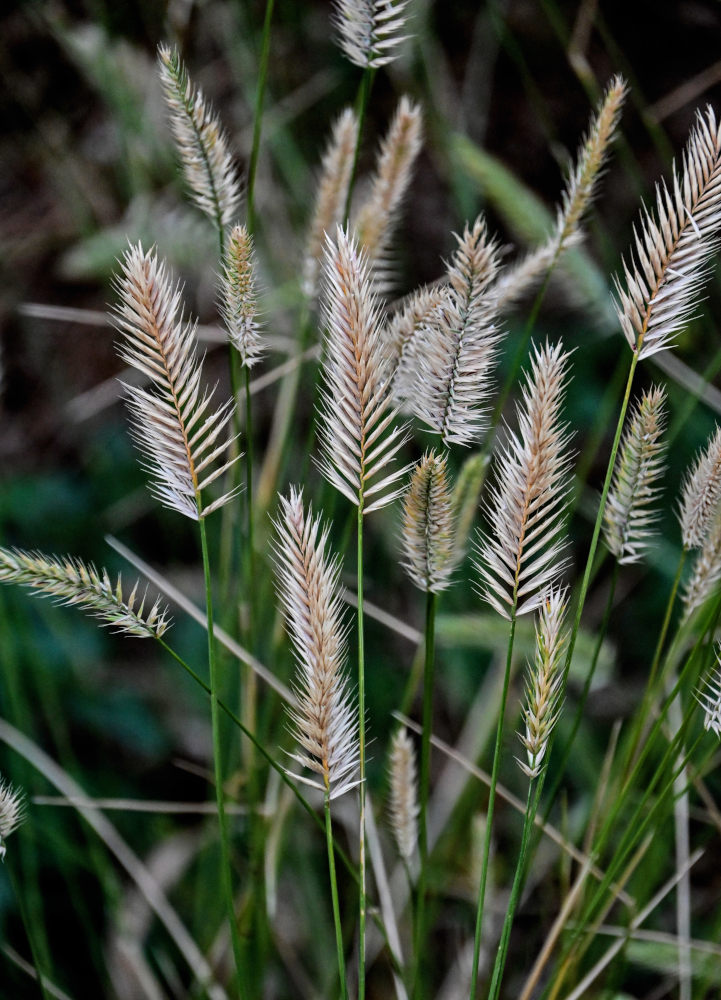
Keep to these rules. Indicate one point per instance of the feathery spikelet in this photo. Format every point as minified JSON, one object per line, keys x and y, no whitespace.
{"x":239,"y":307}
{"x":522,"y":557}
{"x":404,"y":794}
{"x":12,"y":812}
{"x":171,"y":424}
{"x":628,"y":522}
{"x":544,"y":683}
{"x":404,"y":337}
{"x":325,"y":721}
{"x":517,"y":279}
{"x":466,"y":495}
{"x":707,"y":570}
{"x":710,"y":699}
{"x":377,"y":217}
{"x":201,"y":142}
{"x":355,"y":410}
{"x":369,"y":30}
{"x":670,"y":257}
{"x":460,"y":345}
{"x":71,"y":581}
{"x":335,"y":174}
{"x":701,"y":493}
{"x":428,"y":532}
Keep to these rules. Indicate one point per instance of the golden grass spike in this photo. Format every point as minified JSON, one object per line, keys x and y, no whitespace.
{"x":325,"y":720}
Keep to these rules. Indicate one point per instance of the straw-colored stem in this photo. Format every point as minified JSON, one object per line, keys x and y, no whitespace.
{"x":29,"y":931}
{"x":362,"y":786}
{"x":424,"y":788}
{"x":258,"y":117}
{"x":334,"y":897}
{"x":364,"y":93}
{"x":225,"y":873}
{"x":491,"y":805}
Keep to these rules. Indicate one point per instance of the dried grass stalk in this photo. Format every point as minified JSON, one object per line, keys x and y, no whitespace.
{"x":522,"y":555}
{"x":356,"y":437}
{"x":239,"y":306}
{"x":671,"y":253}
{"x":628,"y":521}
{"x":173,"y":425}
{"x":404,"y":794}
{"x":700,"y":495}
{"x":460,"y":344}
{"x":12,"y":812}
{"x":73,"y":582}
{"x":325,"y":720}
{"x":370,"y":30}
{"x":428,"y":533}
{"x":201,"y":142}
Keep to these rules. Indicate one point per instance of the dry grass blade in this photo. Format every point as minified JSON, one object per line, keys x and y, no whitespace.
{"x":628,"y":522}
{"x":239,"y":306}
{"x":428,"y":532}
{"x":671,"y":252}
{"x":370,"y":30}
{"x":72,"y":582}
{"x":172,"y":424}
{"x":324,"y":722}
{"x":403,"y":807}
{"x":201,"y":142}
{"x":701,"y":494}
{"x":460,"y":343}
{"x":356,"y":438}
{"x":522,"y":556}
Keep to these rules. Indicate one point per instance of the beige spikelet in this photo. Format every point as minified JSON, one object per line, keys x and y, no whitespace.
{"x":12,"y":812}
{"x":709,"y":697}
{"x":239,"y":306}
{"x":428,"y":525}
{"x":700,"y":495}
{"x":707,"y":569}
{"x":403,"y":807}
{"x":369,"y":31}
{"x":404,"y":337}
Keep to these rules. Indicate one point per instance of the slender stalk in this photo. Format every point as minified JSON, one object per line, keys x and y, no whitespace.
{"x":362,"y":786}
{"x":364,"y":93}
{"x":334,"y":897}
{"x":29,"y":932}
{"x":518,"y":879}
{"x":491,"y":805}
{"x":424,"y":789}
{"x":258,"y":118}
{"x":249,"y":502}
{"x":218,"y":767}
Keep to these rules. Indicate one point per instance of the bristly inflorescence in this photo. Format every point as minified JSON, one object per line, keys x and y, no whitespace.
{"x":403,"y":337}
{"x":403,"y":794}
{"x":707,"y":569}
{"x":370,"y":30}
{"x":357,"y":438}
{"x":12,"y":812}
{"x":701,"y":494}
{"x":239,"y":306}
{"x":201,"y":142}
{"x":459,"y":344}
{"x":335,"y":174}
{"x":377,"y":217}
{"x":710,"y":699}
{"x":521,"y":556}
{"x":671,"y":252}
{"x":173,"y":424}
{"x":325,"y":721}
{"x":428,"y":525}
{"x":544,"y":684}
{"x":72,"y":582}
{"x":628,"y":520}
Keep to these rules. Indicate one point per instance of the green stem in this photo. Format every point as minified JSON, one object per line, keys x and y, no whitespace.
{"x":29,"y":933}
{"x":258,"y":117}
{"x":491,"y":805}
{"x":364,"y":93}
{"x":362,"y":745}
{"x":431,"y":600}
{"x":249,"y":498}
{"x":518,"y":879}
{"x":334,"y":897}
{"x":217,"y":765}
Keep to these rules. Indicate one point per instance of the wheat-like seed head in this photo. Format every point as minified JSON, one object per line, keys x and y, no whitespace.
{"x":520,"y":558}
{"x":700,"y":494}
{"x":707,"y":569}
{"x":172,"y":423}
{"x":628,"y":521}
{"x":544,"y":684}
{"x":377,"y":217}
{"x":370,"y":30}
{"x":709,"y":698}
{"x":404,"y":794}
{"x":239,"y":306}
{"x":404,"y":338}
{"x":325,"y":720}
{"x":73,"y":582}
{"x":460,"y":344}
{"x":335,"y":174}
{"x":201,"y":142}
{"x":671,"y":252}
{"x":428,"y":532}
{"x":12,"y":812}
{"x":356,"y":438}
